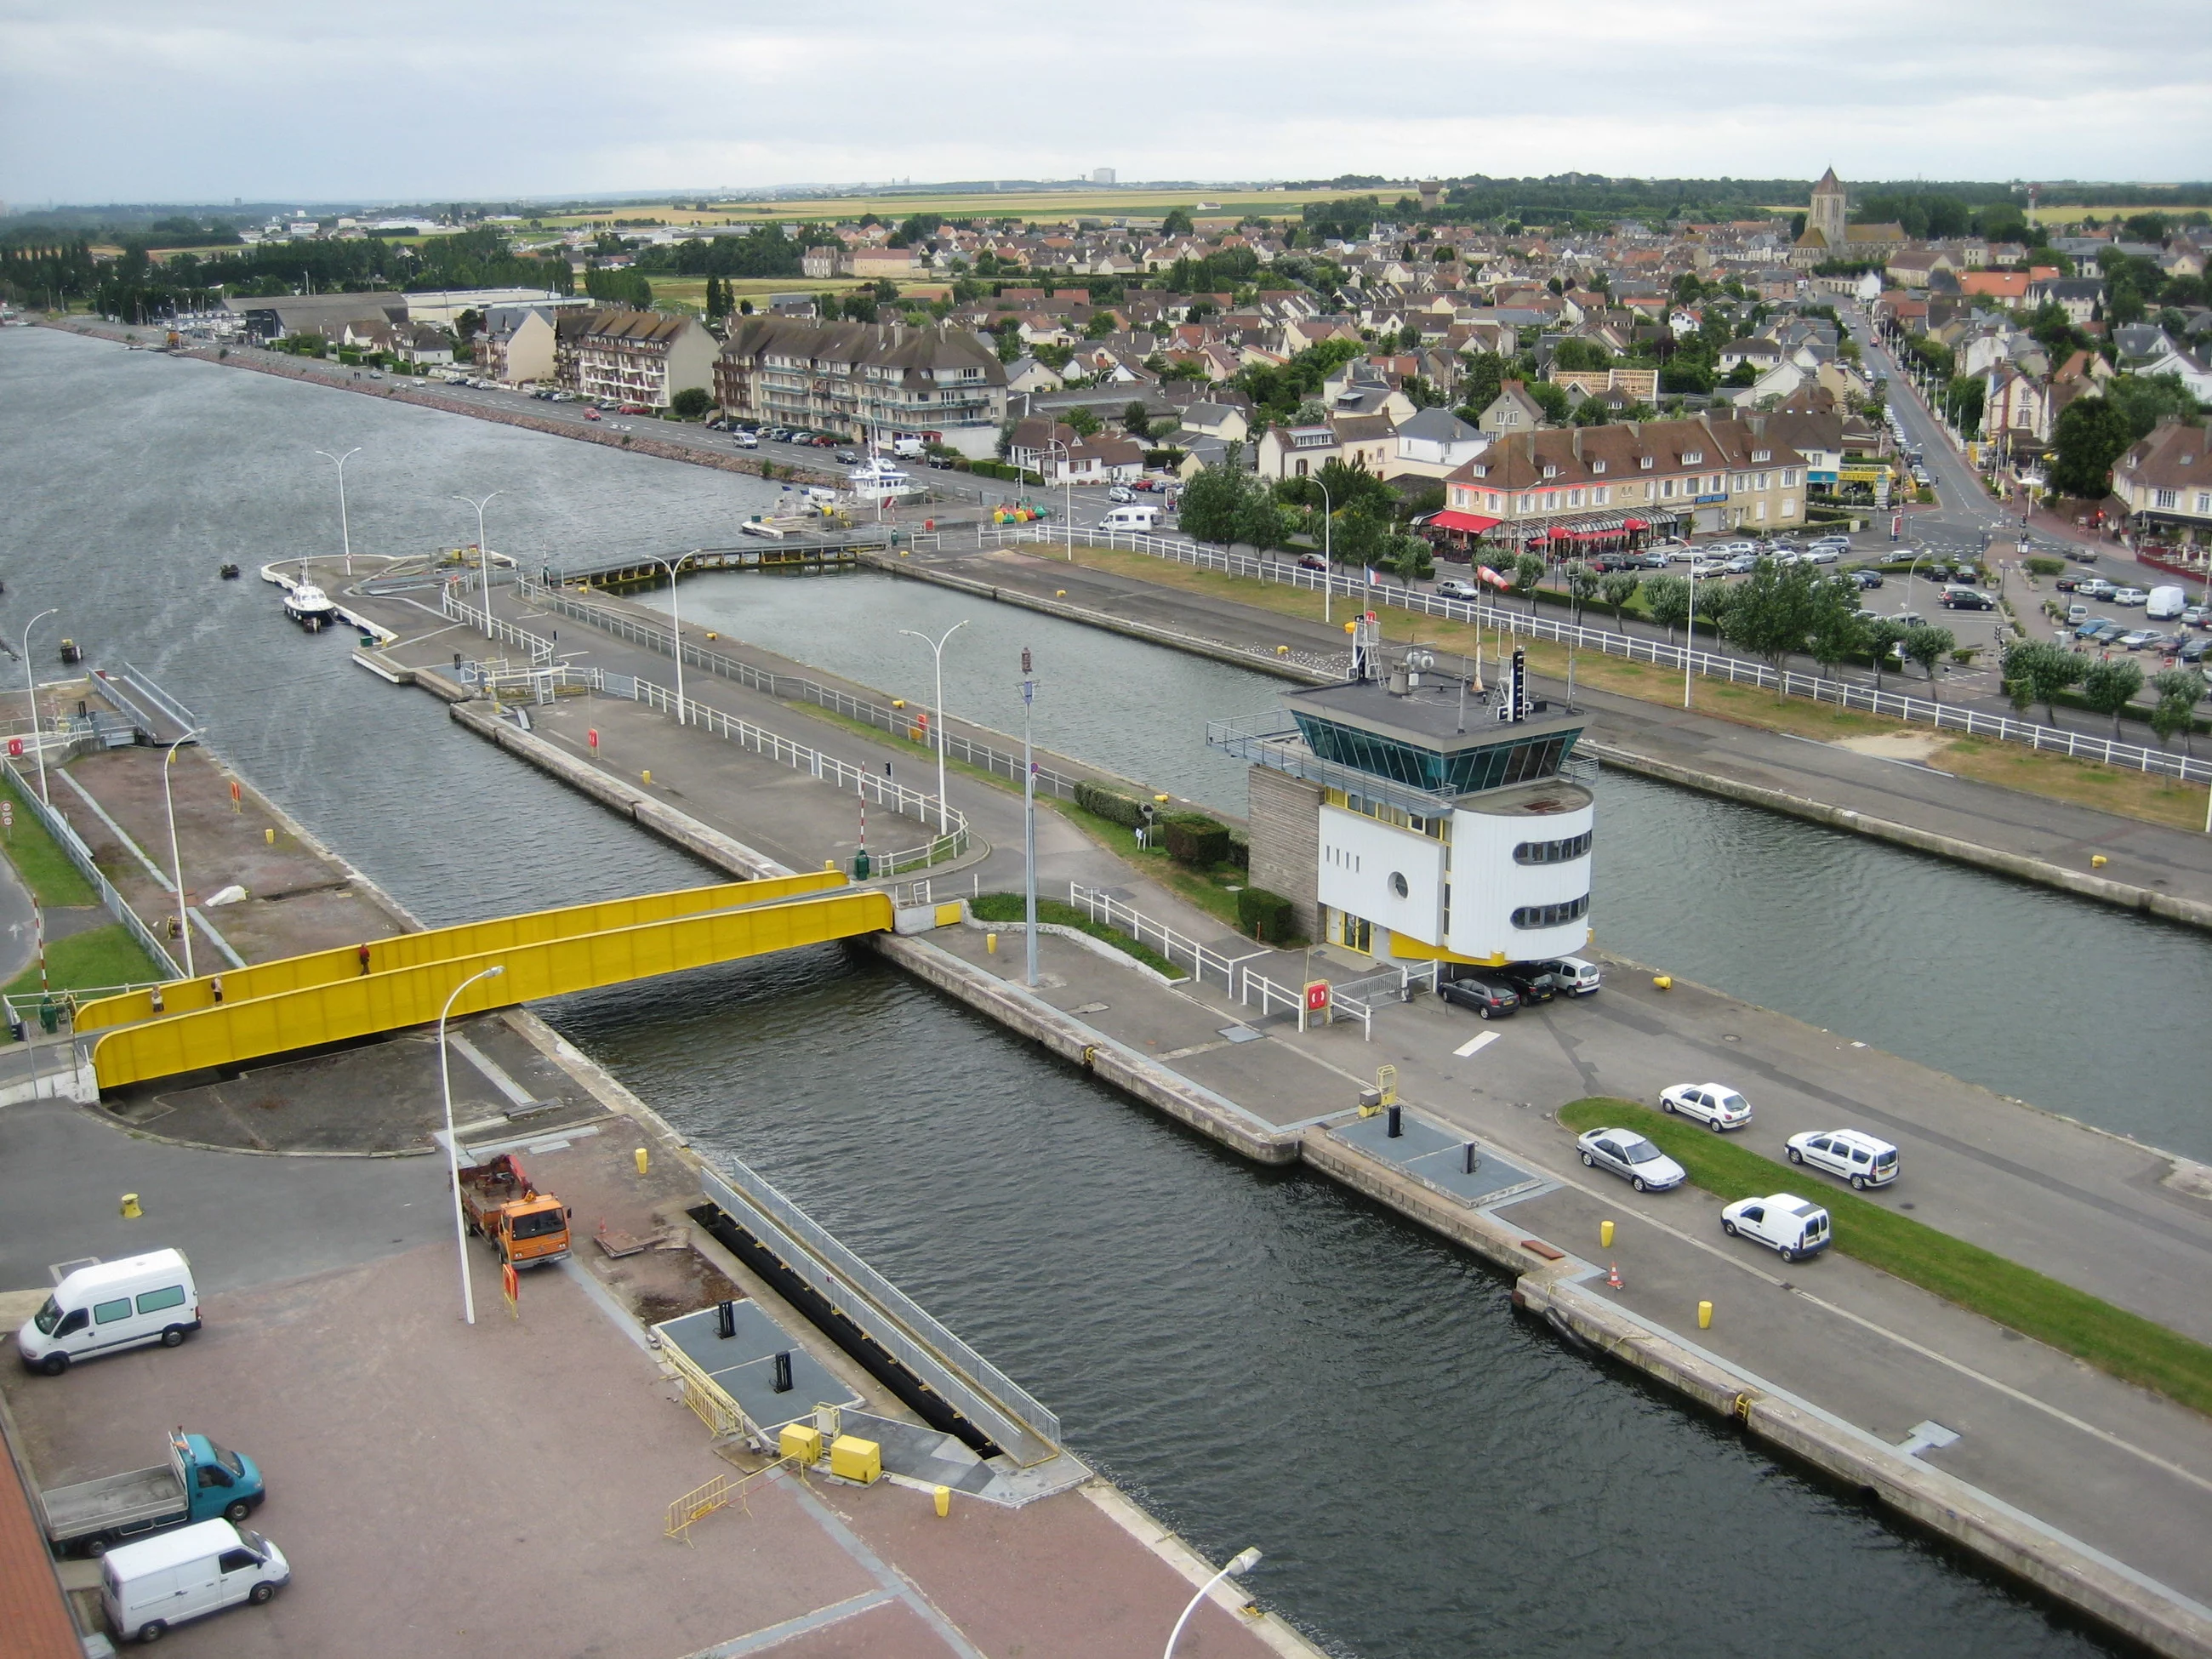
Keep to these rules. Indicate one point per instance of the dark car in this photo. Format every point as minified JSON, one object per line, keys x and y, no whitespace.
{"x":1312,"y":562}
{"x":1867,"y":579}
{"x":1491,"y":998}
{"x":1967,"y":598}
{"x":1531,"y":982}
{"x":2067,"y":583}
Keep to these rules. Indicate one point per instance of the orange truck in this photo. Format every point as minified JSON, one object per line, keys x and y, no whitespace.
{"x":524,"y":1226}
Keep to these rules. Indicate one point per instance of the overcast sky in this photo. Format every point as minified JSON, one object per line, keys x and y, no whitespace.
{"x":406,"y":100}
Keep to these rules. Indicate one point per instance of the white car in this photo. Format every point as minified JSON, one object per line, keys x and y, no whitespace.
{"x":1858,"y":1159}
{"x":1823,"y":556}
{"x":1122,"y":493}
{"x":1713,"y":1104}
{"x":1790,"y":1226}
{"x":1631,"y":1156}
{"x":1451,"y":588}
{"x":2130,"y":596}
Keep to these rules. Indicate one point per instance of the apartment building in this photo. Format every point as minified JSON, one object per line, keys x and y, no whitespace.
{"x":1602,"y":483}
{"x":881,"y":379}
{"x":2166,"y":480}
{"x":642,"y":357}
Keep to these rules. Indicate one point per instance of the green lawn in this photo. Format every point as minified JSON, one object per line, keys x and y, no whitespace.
{"x":96,"y":959}
{"x":51,"y":876}
{"x":2111,"y":1338}
{"x":1012,"y":906}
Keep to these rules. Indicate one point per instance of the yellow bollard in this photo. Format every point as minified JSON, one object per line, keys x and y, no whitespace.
{"x":1282,"y":650}
{"x":2098,"y":860}
{"x":1060,"y":592}
{"x":269,"y":835}
{"x":944,"y":1500}
{"x":644,"y":1159}
{"x":713,"y":635}
{"x":1664,"y":981}
{"x":828,"y":864}
{"x":130,"y":1210}
{"x":991,"y":943}
{"x":1604,"y":1235}
{"x":649,"y":777}
{"x":1704,"y":1316}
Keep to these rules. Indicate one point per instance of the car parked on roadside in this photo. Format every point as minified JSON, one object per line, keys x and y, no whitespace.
{"x":1122,"y":493}
{"x":2095,"y":587}
{"x":1790,"y":1226}
{"x":1713,"y":1104}
{"x":1858,"y":1159}
{"x":1823,"y":555}
{"x":1867,"y":579}
{"x":1967,"y":598}
{"x":1491,"y":999}
{"x":2130,"y":596}
{"x":2138,"y":639}
{"x":1574,"y":975}
{"x":1630,"y":1156}
{"x":2194,"y":650}
{"x":1531,"y":982}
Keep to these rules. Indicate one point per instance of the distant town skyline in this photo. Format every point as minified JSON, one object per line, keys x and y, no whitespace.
{"x":263,"y":101}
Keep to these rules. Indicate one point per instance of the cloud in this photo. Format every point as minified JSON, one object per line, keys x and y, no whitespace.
{"x":272,"y":99}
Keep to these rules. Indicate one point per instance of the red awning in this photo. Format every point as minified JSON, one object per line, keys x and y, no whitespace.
{"x":1472,"y":524}
{"x":1634,"y":524}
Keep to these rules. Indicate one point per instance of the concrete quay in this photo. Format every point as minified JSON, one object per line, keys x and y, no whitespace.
{"x":538,"y":1451}
{"x":2087,"y":1487}
{"x":2158,"y":871}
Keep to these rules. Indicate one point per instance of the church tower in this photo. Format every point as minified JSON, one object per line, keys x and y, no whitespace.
{"x":1827,"y":211}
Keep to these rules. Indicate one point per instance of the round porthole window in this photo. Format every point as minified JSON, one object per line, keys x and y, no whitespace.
{"x":1398,"y":885}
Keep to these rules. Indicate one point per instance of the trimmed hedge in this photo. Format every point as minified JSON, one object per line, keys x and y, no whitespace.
{"x":1109,"y":804}
{"x":1197,"y":841}
{"x":1266,"y":917}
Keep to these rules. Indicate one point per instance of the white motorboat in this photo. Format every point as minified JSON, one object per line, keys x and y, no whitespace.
{"x":309,"y":606}
{"x":877,"y":480}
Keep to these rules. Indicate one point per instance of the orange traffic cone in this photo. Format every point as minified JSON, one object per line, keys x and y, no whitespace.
{"x":1613,"y":1276}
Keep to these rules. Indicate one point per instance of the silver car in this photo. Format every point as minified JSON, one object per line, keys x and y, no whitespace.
{"x":1631,"y":1156}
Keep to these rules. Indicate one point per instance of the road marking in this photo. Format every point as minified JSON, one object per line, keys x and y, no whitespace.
{"x":1475,"y":1045}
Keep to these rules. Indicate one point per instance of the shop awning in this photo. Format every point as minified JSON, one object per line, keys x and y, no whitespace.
{"x":1471,"y":524}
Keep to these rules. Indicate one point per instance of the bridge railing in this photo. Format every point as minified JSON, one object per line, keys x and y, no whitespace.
{"x":867,"y":784}
{"x":1712,"y":664}
{"x":788,"y":687}
{"x":451,"y":603}
{"x":1174,"y":946}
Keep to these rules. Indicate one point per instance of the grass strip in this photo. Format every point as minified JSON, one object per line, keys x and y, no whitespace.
{"x":99,"y":956}
{"x":1010,"y":907}
{"x":38,"y":859}
{"x":2126,"y":1345}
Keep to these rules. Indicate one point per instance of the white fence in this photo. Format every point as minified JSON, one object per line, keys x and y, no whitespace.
{"x":74,"y":850}
{"x":1711,"y":664}
{"x":1174,"y":946}
{"x":998,"y":762}
{"x":452,"y":604}
{"x":864,"y":784}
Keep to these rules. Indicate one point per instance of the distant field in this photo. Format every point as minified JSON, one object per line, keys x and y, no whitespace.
{"x":1045,"y":206}
{"x":2058,"y":215}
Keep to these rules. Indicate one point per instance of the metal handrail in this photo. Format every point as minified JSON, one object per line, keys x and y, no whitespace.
{"x":74,"y":850}
{"x":1104,"y":907}
{"x":1711,"y":664}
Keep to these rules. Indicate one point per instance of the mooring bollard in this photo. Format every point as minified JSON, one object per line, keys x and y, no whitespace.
{"x":1664,"y":981}
{"x":1704,"y":1316}
{"x":644,"y":1159}
{"x":130,"y":1210}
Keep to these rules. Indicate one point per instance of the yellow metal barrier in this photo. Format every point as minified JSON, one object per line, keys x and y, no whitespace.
{"x":368,"y":1004}
{"x":187,"y":996}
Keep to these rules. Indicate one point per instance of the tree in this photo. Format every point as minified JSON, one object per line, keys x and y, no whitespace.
{"x":1549,"y":398}
{"x":1928,"y":645}
{"x":1617,"y":588}
{"x":1081,"y":422}
{"x":2036,"y":671}
{"x":1137,"y":421}
{"x":1667,"y":600}
{"x":2179,"y":690}
{"x":1772,"y":614}
{"x":1177,"y":222}
{"x":1528,"y":571}
{"x":1362,"y":534}
{"x":1263,"y":522}
{"x":2109,"y":687}
{"x":1485,"y":373}
{"x":2091,"y":435}
{"x":691,"y":403}
{"x":1213,"y":501}
{"x":2147,"y":399}
{"x":1881,"y":634}
{"x":1837,"y":635}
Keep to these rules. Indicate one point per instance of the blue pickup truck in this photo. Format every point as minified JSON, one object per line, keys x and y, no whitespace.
{"x":200,"y":1481}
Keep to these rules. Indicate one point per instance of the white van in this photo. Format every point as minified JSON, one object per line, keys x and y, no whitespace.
{"x":2165,"y":604}
{"x":147,"y":1588}
{"x":110,"y":1306}
{"x":909,"y":449}
{"x":1131,"y":518}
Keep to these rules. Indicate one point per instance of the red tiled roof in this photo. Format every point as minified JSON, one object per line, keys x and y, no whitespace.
{"x":31,"y":1611}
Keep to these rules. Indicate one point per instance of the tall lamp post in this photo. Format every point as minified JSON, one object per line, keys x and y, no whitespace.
{"x":1689,"y":633}
{"x":176,"y":857}
{"x":30,"y":686}
{"x":483,"y":563}
{"x":1240,"y":1563}
{"x":345,"y":529}
{"x":675,"y":627}
{"x":1029,"y":822}
{"x":1067,"y":480}
{"x":1328,"y":550}
{"x":937,"y":650}
{"x":453,"y":1141}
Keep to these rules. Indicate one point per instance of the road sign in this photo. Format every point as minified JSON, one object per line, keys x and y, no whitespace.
{"x":7,"y":815}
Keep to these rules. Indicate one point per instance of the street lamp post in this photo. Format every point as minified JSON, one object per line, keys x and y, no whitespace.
{"x":31,"y":687}
{"x":1328,"y":550}
{"x":453,"y":1141}
{"x":176,"y":857}
{"x":1239,"y":1565}
{"x":484,"y":558}
{"x":345,"y":529}
{"x":1029,"y":822}
{"x":937,"y":650}
{"x":1067,"y":481}
{"x":675,"y":628}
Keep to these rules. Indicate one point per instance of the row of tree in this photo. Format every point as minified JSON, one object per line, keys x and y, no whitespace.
{"x":2040,"y":672}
